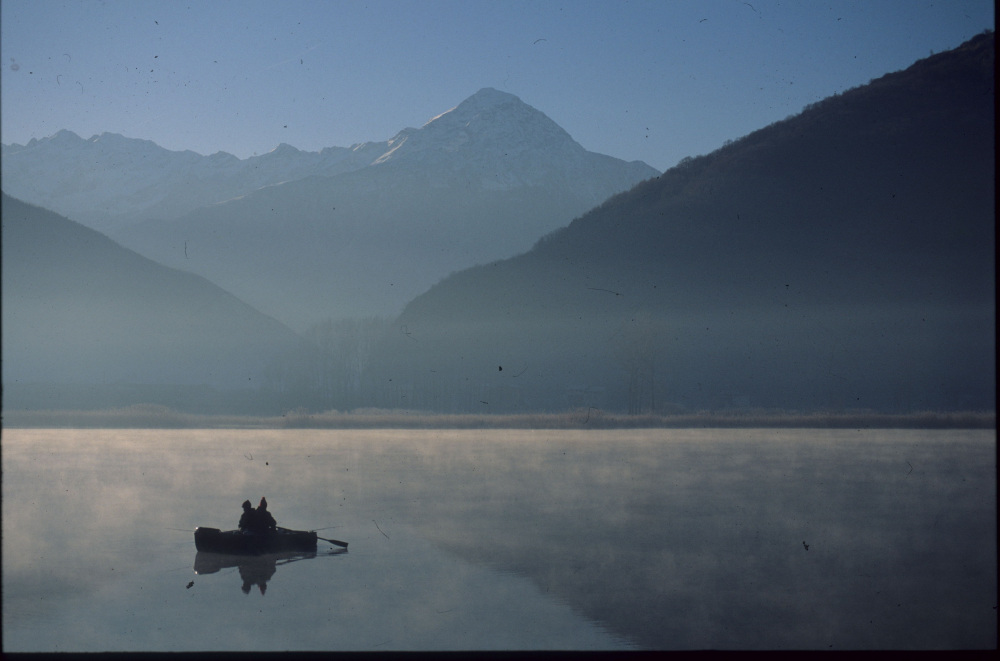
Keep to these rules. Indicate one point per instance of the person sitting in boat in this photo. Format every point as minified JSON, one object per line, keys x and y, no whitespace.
{"x":265,"y":521}
{"x":248,"y":522}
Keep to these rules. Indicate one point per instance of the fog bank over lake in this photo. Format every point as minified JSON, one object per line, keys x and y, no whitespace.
{"x":504,"y":539}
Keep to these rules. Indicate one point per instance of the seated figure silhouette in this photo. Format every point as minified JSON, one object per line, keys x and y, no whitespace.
{"x":264,"y":520}
{"x":248,"y":520}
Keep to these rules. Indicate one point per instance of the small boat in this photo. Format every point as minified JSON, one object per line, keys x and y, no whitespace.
{"x":238,"y":542}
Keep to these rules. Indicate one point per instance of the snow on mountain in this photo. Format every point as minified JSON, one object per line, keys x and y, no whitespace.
{"x":492,"y":127}
{"x":495,"y":141}
{"x":491,"y":141}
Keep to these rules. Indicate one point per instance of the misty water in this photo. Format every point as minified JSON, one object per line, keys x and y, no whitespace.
{"x":498,"y":539}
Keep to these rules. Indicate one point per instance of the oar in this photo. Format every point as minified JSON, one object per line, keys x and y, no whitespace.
{"x":332,"y":541}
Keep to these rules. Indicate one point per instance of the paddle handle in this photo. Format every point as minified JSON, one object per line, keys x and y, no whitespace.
{"x":332,"y":541}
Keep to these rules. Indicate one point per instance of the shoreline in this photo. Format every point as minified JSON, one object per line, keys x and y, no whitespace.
{"x":160,"y":417}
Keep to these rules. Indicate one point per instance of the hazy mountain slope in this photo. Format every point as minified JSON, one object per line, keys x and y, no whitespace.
{"x":80,"y":309}
{"x":480,"y":182}
{"x":843,"y":257}
{"x":109,"y":180}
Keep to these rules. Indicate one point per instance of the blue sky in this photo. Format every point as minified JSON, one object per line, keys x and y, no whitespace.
{"x":650,"y":80}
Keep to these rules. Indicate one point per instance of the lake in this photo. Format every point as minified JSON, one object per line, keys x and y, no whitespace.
{"x":503,"y":540}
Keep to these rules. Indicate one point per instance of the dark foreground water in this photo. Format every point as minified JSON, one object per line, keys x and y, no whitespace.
{"x":498,"y":539}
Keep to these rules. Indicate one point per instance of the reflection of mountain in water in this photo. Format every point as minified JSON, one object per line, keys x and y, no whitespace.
{"x":254,"y":570}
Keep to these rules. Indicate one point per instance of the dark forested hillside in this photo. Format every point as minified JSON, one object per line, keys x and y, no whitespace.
{"x":843,"y":257}
{"x":82,"y":316}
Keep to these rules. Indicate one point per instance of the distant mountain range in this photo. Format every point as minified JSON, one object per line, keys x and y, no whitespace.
{"x":109,"y":181}
{"x":345,"y":232}
{"x":842,"y":258}
{"x":491,"y":141}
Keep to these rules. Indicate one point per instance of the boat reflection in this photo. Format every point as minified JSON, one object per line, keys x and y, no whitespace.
{"x":255,"y":570}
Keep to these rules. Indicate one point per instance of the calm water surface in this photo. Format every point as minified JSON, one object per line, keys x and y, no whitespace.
{"x":498,"y":539}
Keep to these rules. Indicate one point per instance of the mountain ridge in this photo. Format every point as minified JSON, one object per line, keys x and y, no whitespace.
{"x":109,"y":181}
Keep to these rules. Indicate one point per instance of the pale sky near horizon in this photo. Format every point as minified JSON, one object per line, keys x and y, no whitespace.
{"x":639,"y":80}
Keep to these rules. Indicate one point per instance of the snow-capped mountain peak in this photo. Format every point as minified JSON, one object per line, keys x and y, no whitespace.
{"x":484,"y":98}
{"x":502,"y":118}
{"x":492,"y":140}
